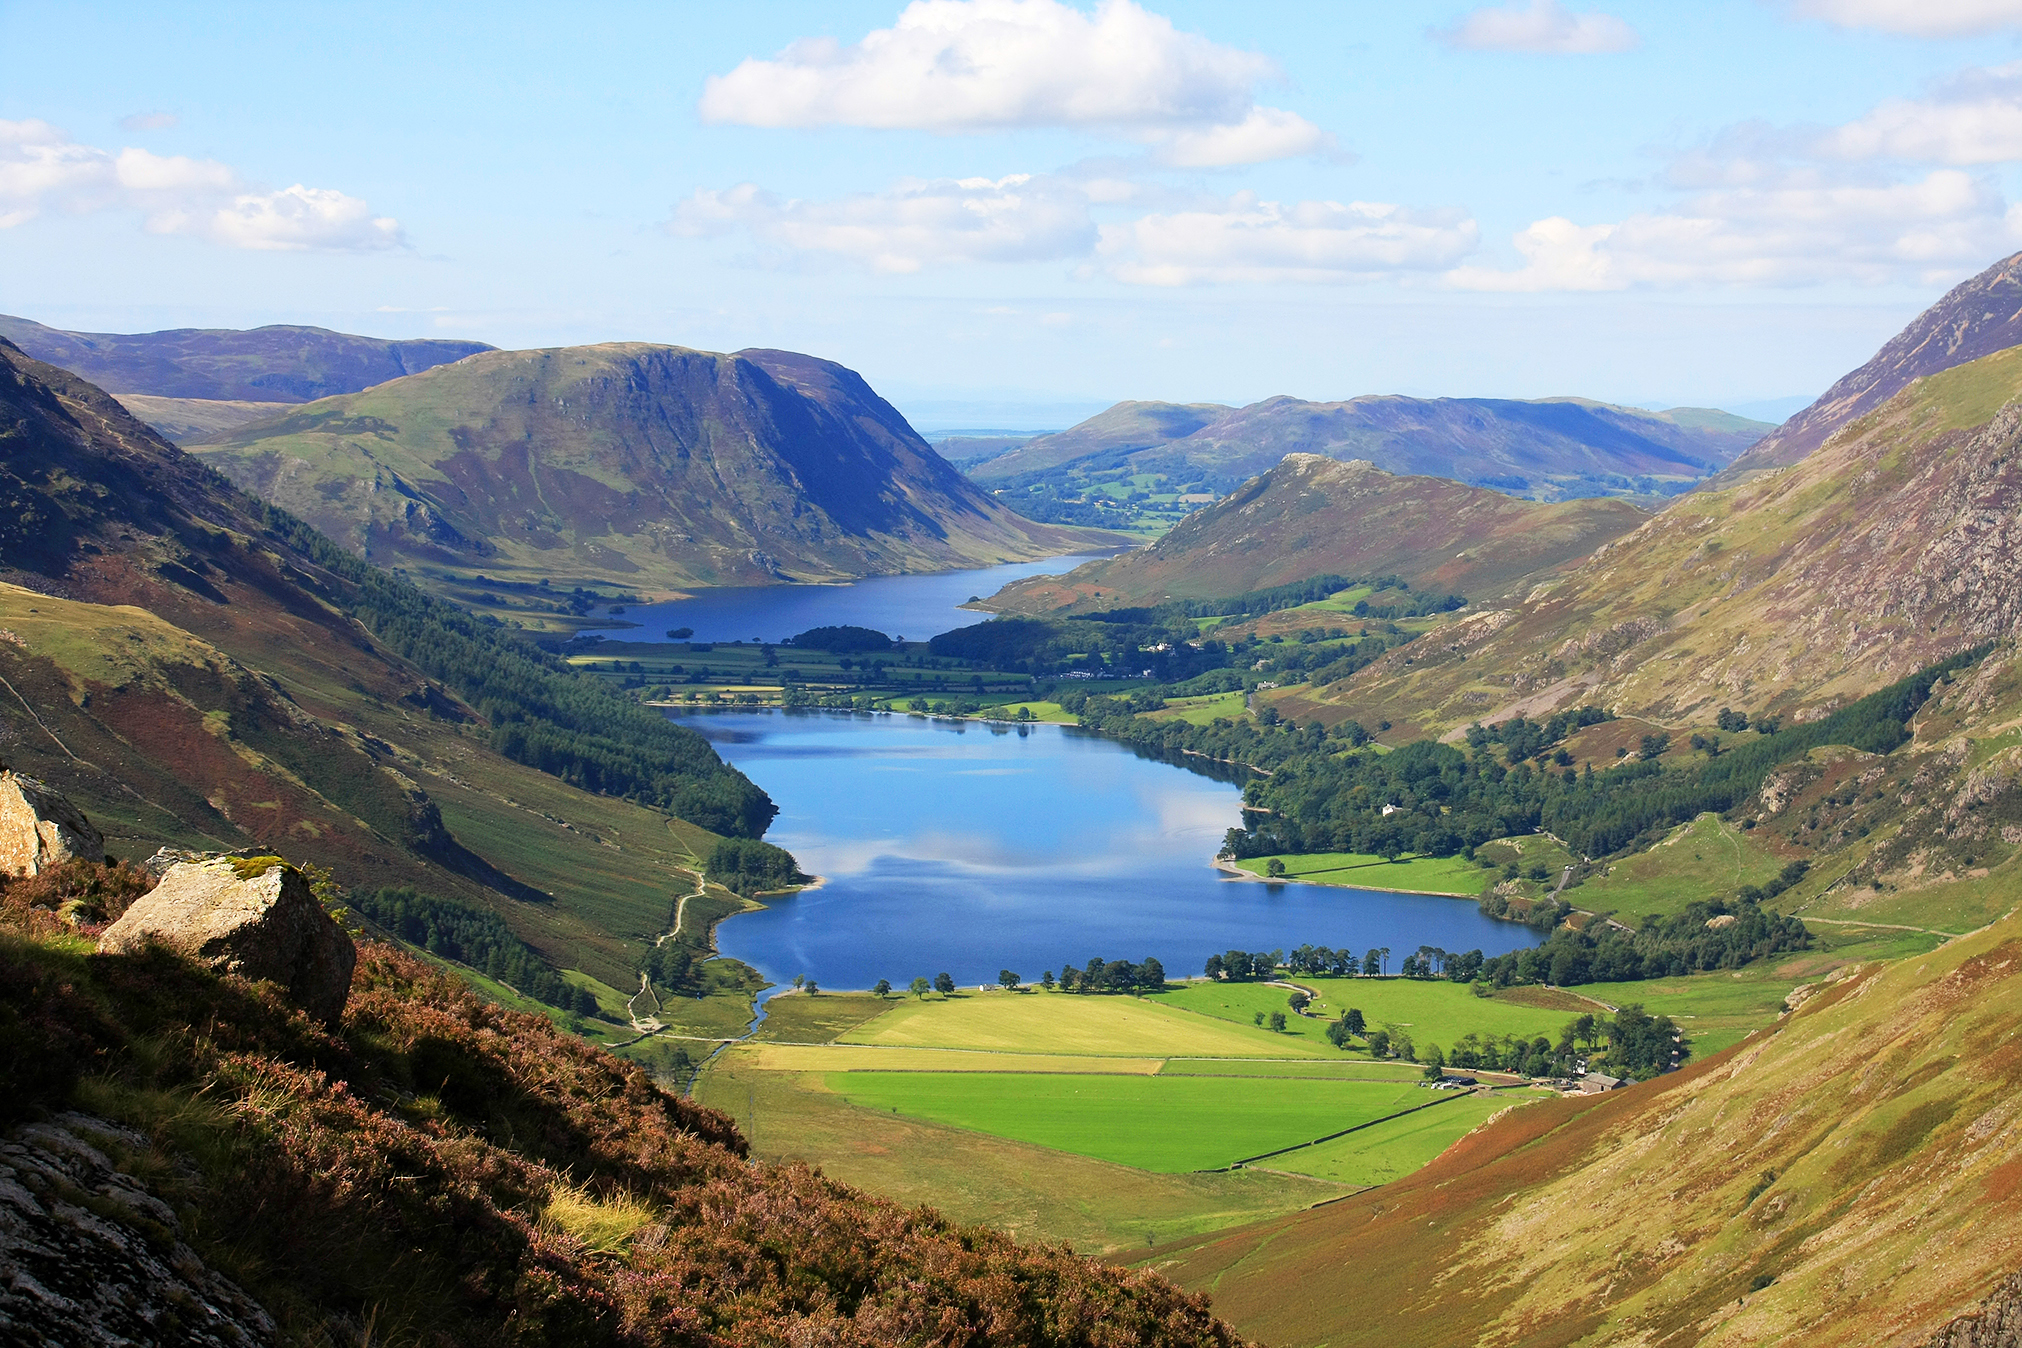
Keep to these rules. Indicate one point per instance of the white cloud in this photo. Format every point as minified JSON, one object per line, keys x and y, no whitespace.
{"x":1973,"y":118}
{"x":1543,"y":26}
{"x":917,"y":224}
{"x":149,"y":121}
{"x":42,"y":169}
{"x":991,"y":65}
{"x":1916,"y":18}
{"x":1243,"y":239}
{"x":1801,"y":232}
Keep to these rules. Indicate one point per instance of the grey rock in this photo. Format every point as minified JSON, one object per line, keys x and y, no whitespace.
{"x":242,"y":919}
{"x":89,"y":1257}
{"x":1995,"y":1323}
{"x":40,"y":829}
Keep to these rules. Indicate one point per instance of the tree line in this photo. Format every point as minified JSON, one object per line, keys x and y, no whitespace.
{"x":540,"y":712}
{"x":474,"y":937}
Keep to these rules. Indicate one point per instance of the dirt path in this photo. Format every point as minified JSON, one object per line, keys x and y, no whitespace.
{"x":1881,"y":926}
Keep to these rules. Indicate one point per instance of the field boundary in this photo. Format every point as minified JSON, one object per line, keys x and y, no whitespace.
{"x":1301,"y":1146}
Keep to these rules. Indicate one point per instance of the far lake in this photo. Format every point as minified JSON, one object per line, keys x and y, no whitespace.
{"x":914,"y":607}
{"x":968,"y":848}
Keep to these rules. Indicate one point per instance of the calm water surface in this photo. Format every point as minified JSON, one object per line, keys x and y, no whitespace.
{"x":915,"y":607}
{"x":960,"y":847}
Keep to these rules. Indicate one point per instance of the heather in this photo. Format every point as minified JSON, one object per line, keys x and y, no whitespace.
{"x":442,"y":1171}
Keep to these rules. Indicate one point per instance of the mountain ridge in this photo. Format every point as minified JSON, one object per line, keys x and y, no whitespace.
{"x":282,"y":363}
{"x":1550,"y":449}
{"x":631,"y":463}
{"x":1309,"y":515}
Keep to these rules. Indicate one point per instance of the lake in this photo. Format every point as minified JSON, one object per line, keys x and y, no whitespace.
{"x":915,"y":607}
{"x":967,"y":848}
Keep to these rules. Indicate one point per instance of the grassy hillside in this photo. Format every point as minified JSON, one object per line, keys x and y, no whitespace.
{"x":1975,"y":318}
{"x":210,"y":675}
{"x":1889,"y":547}
{"x":647,"y":467}
{"x":1753,"y":1197}
{"x":1311,"y":516}
{"x":437,"y":1170}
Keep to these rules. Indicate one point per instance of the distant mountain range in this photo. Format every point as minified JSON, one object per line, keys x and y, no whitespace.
{"x":1552,"y":449}
{"x":630,"y":464}
{"x":279,"y":364}
{"x":1311,"y":516}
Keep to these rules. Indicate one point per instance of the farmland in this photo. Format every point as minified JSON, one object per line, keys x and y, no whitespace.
{"x":1360,"y":870}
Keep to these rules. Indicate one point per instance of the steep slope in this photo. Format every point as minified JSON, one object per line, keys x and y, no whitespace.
{"x":1550,"y":449}
{"x":196,"y":670}
{"x":1975,"y":318}
{"x":278,"y":364}
{"x":178,"y":420}
{"x":438,"y":1171}
{"x":640,"y":465}
{"x":1848,"y":1177}
{"x":1893,"y":545}
{"x":1311,"y":516}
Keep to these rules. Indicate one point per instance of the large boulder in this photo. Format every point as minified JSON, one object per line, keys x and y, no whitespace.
{"x":254,"y":917}
{"x":40,"y":829}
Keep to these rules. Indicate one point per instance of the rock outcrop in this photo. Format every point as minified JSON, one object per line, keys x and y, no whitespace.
{"x":254,"y":917}
{"x":1995,"y":1323}
{"x":40,"y":829}
{"x":88,"y":1256}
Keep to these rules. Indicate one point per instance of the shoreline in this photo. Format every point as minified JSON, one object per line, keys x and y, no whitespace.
{"x":1235,"y":872}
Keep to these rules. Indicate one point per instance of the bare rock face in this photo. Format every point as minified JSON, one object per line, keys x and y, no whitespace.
{"x":1995,"y":1323}
{"x":252,"y":917}
{"x":89,"y":1257}
{"x":40,"y":829}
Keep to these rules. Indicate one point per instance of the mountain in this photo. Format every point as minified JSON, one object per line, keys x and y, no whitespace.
{"x":1898,"y":542}
{"x":197,"y":670}
{"x":1104,"y":440}
{"x":1551,"y":449}
{"x":277,"y":364}
{"x":1847,"y":1177}
{"x":644,"y":466}
{"x":1311,"y":516}
{"x":1975,"y":318}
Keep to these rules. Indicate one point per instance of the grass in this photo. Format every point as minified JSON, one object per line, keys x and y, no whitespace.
{"x":1430,"y":1012}
{"x":859,"y":1058}
{"x":1163,"y":1124}
{"x":1100,"y":1026}
{"x":1030,"y":1192}
{"x":1203,"y":710}
{"x":1360,"y":870}
{"x":1347,"y":1069}
{"x":800,"y":1019}
{"x":1396,"y":1147}
{"x":1707,"y":858}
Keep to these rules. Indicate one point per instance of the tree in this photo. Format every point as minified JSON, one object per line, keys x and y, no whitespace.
{"x":1299,"y":1001}
{"x":883,"y":989}
{"x":1046,"y":980}
{"x":1371,"y":965}
{"x":1009,"y":980}
{"x":1653,"y":746}
{"x":1379,"y":1044}
{"x":1257,"y":1018}
{"x":1352,"y":1018}
{"x":1277,"y":1023}
{"x":1275,"y":868}
{"x":944,"y":983}
{"x":812,"y":987}
{"x":1337,"y":1034}
{"x":919,"y":987}
{"x":1151,"y":974}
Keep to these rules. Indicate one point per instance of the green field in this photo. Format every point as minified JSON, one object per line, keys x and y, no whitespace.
{"x":1420,"y":875}
{"x":1202,"y":710}
{"x":1431,"y":1012}
{"x":1707,"y":858}
{"x":1347,"y":1068}
{"x":1394,"y":1148}
{"x":1160,"y":1123}
{"x":1043,"y":1022}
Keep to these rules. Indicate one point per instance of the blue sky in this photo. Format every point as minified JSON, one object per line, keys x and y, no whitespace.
{"x":1011,"y":211}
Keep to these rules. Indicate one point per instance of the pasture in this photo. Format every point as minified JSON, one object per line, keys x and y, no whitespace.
{"x":1707,"y":858}
{"x":1054,"y":1022}
{"x":1394,"y":1148}
{"x":1361,"y":870}
{"x":1429,"y":1011}
{"x":1168,"y":1124}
